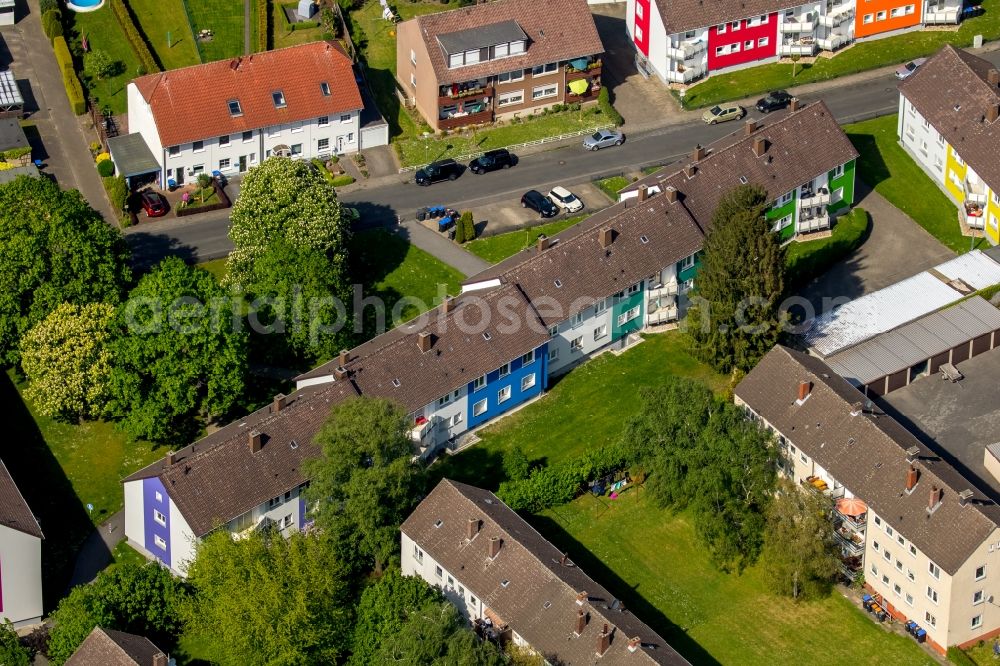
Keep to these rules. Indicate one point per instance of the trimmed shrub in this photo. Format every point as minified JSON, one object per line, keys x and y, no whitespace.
{"x":459,"y":232}
{"x":117,"y":191}
{"x":14,"y":153}
{"x":106,"y":168}
{"x":604,"y":104}
{"x":63,"y":57}
{"x":74,"y":90}
{"x":52,"y":24}
{"x":340,"y":181}
{"x":46,"y":6}
{"x":468,"y":226}
{"x":134,"y":37}
{"x":807,"y":260}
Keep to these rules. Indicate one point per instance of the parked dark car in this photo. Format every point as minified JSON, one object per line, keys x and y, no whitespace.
{"x":154,"y":203}
{"x":775,"y":100}
{"x":492,"y":160}
{"x":436,"y":171}
{"x":539,"y":203}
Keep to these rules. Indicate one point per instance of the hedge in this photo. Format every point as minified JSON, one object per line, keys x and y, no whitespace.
{"x":52,"y":24}
{"x":957,"y":656}
{"x":46,"y":6}
{"x":63,"y":57}
{"x":805,"y":261}
{"x":134,"y":37}
{"x":263,"y":25}
{"x":604,"y":103}
{"x":117,"y":191}
{"x":344,"y":179}
{"x":74,"y":90}
{"x":14,"y":153}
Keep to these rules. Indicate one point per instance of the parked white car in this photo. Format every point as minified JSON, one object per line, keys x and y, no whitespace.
{"x":565,"y":199}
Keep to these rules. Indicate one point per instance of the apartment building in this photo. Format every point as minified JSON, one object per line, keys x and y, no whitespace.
{"x":948,"y":122}
{"x":686,"y":40}
{"x":496,"y":60}
{"x":20,"y":557}
{"x":503,"y":576}
{"x":229,"y":115}
{"x":925,"y":537}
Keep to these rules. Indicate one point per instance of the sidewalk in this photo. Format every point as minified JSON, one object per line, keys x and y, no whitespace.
{"x":68,"y":155}
{"x":441,"y":248}
{"x":95,"y":555}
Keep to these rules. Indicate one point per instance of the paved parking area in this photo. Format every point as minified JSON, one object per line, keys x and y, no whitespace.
{"x":499,"y":218}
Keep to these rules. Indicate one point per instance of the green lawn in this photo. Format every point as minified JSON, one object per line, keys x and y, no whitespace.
{"x":586,"y":408}
{"x":495,"y":249}
{"x":157,"y":19}
{"x":123,"y":553}
{"x":892,"y":172}
{"x":611,"y":186}
{"x":225,"y":19}
{"x":216,"y":267}
{"x":859,"y":57}
{"x":282,"y":34}
{"x":654,"y":562}
{"x":60,"y":468}
{"x":104,"y":34}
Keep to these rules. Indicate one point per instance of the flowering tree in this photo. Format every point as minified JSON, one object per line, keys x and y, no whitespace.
{"x":67,"y":360}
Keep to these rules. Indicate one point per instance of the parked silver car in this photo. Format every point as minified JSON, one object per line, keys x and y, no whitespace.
{"x":565,"y":199}
{"x":906,"y":69}
{"x":603,"y":138}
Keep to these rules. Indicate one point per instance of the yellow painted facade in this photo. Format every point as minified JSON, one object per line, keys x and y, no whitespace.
{"x":954,"y":175}
{"x":993,"y":216}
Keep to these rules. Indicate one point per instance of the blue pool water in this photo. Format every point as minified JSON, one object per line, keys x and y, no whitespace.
{"x":84,"y":5}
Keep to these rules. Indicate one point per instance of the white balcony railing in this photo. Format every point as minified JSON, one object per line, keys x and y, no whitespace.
{"x":686,"y":50}
{"x":819,"y":198}
{"x":815,"y":223}
{"x":664,"y":290}
{"x":833,"y":42}
{"x":688,"y":74}
{"x":797,"y":49}
{"x":974,"y":221}
{"x":941,"y":16}
{"x":791,"y":25}
{"x":662,"y":315}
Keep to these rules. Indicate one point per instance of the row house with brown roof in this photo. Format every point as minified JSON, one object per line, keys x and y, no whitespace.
{"x":20,"y":557}
{"x":925,"y":538}
{"x":107,"y":647}
{"x":230,"y":115}
{"x":681,"y":41}
{"x":949,"y":123}
{"x":498,"y":60}
{"x":513,"y":584}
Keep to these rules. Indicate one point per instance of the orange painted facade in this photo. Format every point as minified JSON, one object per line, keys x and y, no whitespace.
{"x":873,"y":17}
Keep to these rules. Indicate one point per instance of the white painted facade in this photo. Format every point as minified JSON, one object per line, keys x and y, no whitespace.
{"x":446,"y":418}
{"x":415,"y":562}
{"x":573,"y":341}
{"x":183,"y":542}
{"x":924,"y":143}
{"x":20,"y":577}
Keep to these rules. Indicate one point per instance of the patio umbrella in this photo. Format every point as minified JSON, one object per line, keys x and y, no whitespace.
{"x":851,"y":506}
{"x":579,"y":86}
{"x":84,"y":44}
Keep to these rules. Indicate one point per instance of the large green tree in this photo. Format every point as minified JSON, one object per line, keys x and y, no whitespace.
{"x":12,"y":653}
{"x":142,"y":599}
{"x":54,"y":249}
{"x":67,"y":360}
{"x":180,"y":352}
{"x":703,"y":454}
{"x":735,"y":318}
{"x":383,"y":609}
{"x":363,"y":485}
{"x":800,"y":553}
{"x":265,"y":599}
{"x":436,"y":634}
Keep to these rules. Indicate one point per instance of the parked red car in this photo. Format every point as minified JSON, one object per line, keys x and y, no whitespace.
{"x":154,"y":204}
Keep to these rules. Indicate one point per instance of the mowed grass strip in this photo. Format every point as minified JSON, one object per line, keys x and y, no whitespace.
{"x":495,"y":249}
{"x":225,"y":19}
{"x":159,"y":19}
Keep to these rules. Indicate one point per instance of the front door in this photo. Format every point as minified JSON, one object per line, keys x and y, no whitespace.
{"x":340,"y":144}
{"x":180,"y":175}
{"x":243,"y":163}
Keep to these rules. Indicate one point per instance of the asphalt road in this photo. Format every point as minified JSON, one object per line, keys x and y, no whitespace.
{"x":203,"y":237}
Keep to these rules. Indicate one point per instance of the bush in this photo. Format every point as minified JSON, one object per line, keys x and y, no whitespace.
{"x":63,"y":57}
{"x":468,"y":225}
{"x":99,"y":65}
{"x":14,"y":153}
{"x":807,"y":260}
{"x":134,"y":37}
{"x":52,"y":23}
{"x":117,"y":191}
{"x":340,"y":181}
{"x":105,"y":168}
{"x":46,"y":6}
{"x":604,"y":104}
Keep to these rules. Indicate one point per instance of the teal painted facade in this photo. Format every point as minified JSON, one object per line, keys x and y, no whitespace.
{"x":685,"y":274}
{"x":844,"y":182}
{"x":623,"y":305}
{"x":775,"y":213}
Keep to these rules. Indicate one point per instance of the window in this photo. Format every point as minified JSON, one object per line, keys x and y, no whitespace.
{"x":198,"y":146}
{"x":350,"y":137}
{"x":687,"y":262}
{"x":932,"y":594}
{"x":527,"y":382}
{"x":734,"y":26}
{"x":900,"y":540}
{"x":541,"y":92}
{"x":600,"y":306}
{"x":510,"y":77}
{"x":324,"y":87}
{"x":930,"y":619}
{"x":323,"y":121}
{"x":897,"y":590}
{"x":413,"y":79}
{"x":878,"y":521}
{"x":909,"y":599}
{"x":504,"y":583}
{"x":977,"y":621}
{"x":734,"y":47}
{"x":444,"y":400}
{"x":577,"y":319}
{"x":505,"y":369}
{"x":278,"y":98}
{"x":885,"y":579}
{"x":785,"y":198}
{"x":224,"y":140}
{"x":224,"y":164}
{"x":413,"y":57}
{"x":554,"y":354}
{"x":160,"y":542}
{"x":234,"y":108}
{"x":934,"y":569}
{"x":889,"y":530}
{"x":159,"y":518}
{"x":803,"y":458}
{"x":528,"y":358}
{"x":173,"y":151}
{"x":247,"y":136}
{"x":503,"y":395}
{"x":910,"y":575}
{"x":346,"y":117}
{"x":977,"y":597}
{"x":479,"y":408}
{"x":867,"y":19}
{"x":541,"y":70}
{"x":509,"y":98}
{"x":296,"y":149}
{"x":159,"y":496}
{"x":899,"y":565}
{"x":273,"y":502}
{"x":600,"y":331}
{"x":553,"y":331}
{"x":438,"y":571}
{"x":628,"y":315}
{"x":451,"y":581}
{"x":896,"y":12}
{"x":981,"y":572}
{"x":323,"y":144}
{"x":472,"y":56}
{"x":461,"y":591}
{"x":875,"y":546}
{"x":456,"y":419}
{"x":638,"y":10}
{"x":747,"y":45}
{"x":839,"y":171}
{"x":887,"y":555}
{"x":418,"y":554}
{"x":880,"y":16}
{"x":286,"y":522}
{"x":913,"y":550}
{"x":577,"y":344}
{"x":479,"y":383}
{"x":634,"y":289}
{"x":721,"y":30}
{"x":472,"y":600}
{"x":501,"y":50}
{"x":638,"y":31}
{"x":720,"y":50}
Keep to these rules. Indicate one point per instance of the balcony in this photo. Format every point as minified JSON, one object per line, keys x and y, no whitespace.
{"x":661,"y":291}
{"x":974,"y":214}
{"x":661,"y":314}
{"x":940,"y":15}
{"x":852,"y":543}
{"x":833,"y":42}
{"x":687,"y":49}
{"x":811,"y":221}
{"x":797,"y":24}
{"x":466,"y":119}
{"x":451,"y":94}
{"x":820,"y":197}
{"x":805,"y":46}
{"x":686,"y":73}
{"x":592,"y":69}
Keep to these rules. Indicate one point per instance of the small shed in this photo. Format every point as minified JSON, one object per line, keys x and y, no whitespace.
{"x":133,"y":158}
{"x":6,"y":12}
{"x":11,"y":101}
{"x":306,"y":9}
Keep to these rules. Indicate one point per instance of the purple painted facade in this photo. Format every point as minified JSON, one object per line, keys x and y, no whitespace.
{"x":154,"y":499}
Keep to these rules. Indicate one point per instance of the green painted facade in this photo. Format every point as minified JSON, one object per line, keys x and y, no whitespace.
{"x":685,"y":274}
{"x":775,"y":213}
{"x":846,"y":182}
{"x":625,"y":304}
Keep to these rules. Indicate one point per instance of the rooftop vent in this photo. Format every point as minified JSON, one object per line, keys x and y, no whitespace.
{"x":934,"y":501}
{"x":965,"y":495}
{"x":992,"y":112}
{"x":580,"y":598}
{"x":543,"y":242}
{"x":804,"y":388}
{"x":912,"y":477}
{"x":340,"y":372}
{"x":344,"y":357}
{"x":608,"y":235}
{"x":396,"y":383}
{"x":472,"y":529}
{"x":690,"y":170}
{"x":280,"y":402}
{"x":642,"y":193}
{"x":794,"y":105}
{"x":448,"y":305}
{"x":169,"y":458}
{"x":993,"y":77}
{"x":634,"y":644}
{"x":671,"y":194}
{"x":912,"y":453}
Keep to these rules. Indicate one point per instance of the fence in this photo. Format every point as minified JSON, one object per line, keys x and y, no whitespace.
{"x":525,"y":144}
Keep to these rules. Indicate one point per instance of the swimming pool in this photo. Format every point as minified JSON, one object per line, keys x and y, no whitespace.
{"x":84,"y":5}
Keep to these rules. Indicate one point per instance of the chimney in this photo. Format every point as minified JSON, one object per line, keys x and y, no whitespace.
{"x":344,"y":357}
{"x":543,"y":243}
{"x":448,"y":304}
{"x":603,"y":641}
{"x":993,"y":77}
{"x":912,"y":453}
{"x":280,"y":402}
{"x":494,"y":547}
{"x":856,"y":409}
{"x":425,"y":341}
{"x":642,"y":193}
{"x":580,"y":598}
{"x":581,"y":622}
{"x":607,"y":237}
{"x":256,"y":441}
{"x":965,"y":495}
{"x":672,"y":194}
{"x":634,"y":643}
{"x":750,"y":127}
{"x":159,"y":659}
{"x":698,"y":154}
{"x":794,"y":104}
{"x":912,"y":476}
{"x":759,"y":146}
{"x":804,"y":388}
{"x":473,"y":528}
{"x":935,"y":498}
{"x":992,"y":113}
{"x":169,"y":458}
{"x":340,"y":373}
{"x":690,"y":170}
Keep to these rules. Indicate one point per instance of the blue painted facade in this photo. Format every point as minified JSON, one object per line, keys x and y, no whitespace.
{"x":514,"y":380}
{"x":151,"y":488}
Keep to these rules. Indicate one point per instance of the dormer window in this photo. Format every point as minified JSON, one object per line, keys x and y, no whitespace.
{"x":278,"y":98}
{"x":325,"y":88}
{"x":235,"y":110}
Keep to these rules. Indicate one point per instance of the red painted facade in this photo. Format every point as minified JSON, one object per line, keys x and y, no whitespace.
{"x":733,"y":42}
{"x":640,"y":32}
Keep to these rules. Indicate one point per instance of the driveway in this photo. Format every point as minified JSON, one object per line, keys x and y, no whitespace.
{"x":897,"y":248}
